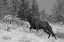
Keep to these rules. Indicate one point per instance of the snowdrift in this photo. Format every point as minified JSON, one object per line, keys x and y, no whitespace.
{"x":22,"y":33}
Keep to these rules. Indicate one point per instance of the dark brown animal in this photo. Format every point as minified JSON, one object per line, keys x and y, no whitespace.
{"x":37,"y":24}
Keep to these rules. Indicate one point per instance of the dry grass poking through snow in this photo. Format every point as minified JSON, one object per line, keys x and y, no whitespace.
{"x":58,"y":30}
{"x":60,"y":35}
{"x":22,"y":34}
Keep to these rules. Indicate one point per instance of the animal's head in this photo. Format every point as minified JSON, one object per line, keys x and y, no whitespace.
{"x":29,"y":18}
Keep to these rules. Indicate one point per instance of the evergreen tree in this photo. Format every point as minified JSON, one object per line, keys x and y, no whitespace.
{"x":58,"y":10}
{"x":24,"y":9}
{"x":28,"y":8}
{"x":35,"y":9}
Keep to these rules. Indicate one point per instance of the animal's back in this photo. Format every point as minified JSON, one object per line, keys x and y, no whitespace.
{"x":43,"y":24}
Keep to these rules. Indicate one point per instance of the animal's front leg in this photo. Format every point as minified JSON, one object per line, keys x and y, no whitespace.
{"x":37,"y":26}
{"x":37,"y":29}
{"x":30,"y":28}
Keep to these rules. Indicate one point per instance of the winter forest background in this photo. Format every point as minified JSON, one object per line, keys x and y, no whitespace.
{"x":16,"y":12}
{"x":23,"y":8}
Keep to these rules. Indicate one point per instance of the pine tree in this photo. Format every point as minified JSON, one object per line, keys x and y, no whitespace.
{"x":58,"y":10}
{"x":35,"y":9}
{"x":28,"y":8}
{"x":24,"y":9}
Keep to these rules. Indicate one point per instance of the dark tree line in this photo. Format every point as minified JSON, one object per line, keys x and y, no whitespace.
{"x":19,"y":8}
{"x":58,"y":11}
{"x":28,"y":8}
{"x":22,"y":9}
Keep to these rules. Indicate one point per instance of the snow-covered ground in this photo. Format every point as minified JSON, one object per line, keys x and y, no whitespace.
{"x":22,"y":34}
{"x":57,"y":28}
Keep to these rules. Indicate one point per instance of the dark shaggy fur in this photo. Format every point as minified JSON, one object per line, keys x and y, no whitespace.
{"x":37,"y":24}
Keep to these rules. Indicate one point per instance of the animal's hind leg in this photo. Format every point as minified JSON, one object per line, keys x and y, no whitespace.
{"x":47,"y":32}
{"x":52,"y":33}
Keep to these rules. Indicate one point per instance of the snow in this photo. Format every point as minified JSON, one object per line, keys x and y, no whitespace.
{"x":22,"y":34}
{"x":57,"y":28}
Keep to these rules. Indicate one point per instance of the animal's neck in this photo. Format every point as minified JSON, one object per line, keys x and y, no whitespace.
{"x":29,"y":21}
